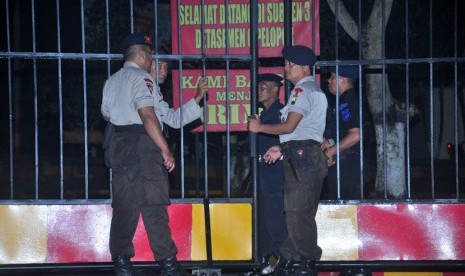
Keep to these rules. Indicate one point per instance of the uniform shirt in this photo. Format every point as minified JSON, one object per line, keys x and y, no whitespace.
{"x":348,"y":116}
{"x":270,"y":116}
{"x":125,"y":92}
{"x":271,"y":176}
{"x":307,"y":99}
{"x":190,"y":111}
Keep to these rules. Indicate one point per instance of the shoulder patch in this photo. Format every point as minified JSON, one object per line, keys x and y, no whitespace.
{"x":346,"y":115}
{"x":149,"y":84}
{"x":343,"y":105}
{"x":297,"y":91}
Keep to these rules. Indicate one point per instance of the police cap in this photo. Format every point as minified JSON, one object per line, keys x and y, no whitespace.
{"x":299,"y":54}
{"x":136,"y":39}
{"x":346,"y":71}
{"x":162,"y":51}
{"x":270,"y":77}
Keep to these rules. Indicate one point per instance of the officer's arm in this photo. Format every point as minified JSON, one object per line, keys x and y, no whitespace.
{"x":352,"y":138}
{"x":153,"y":129}
{"x":288,"y":126}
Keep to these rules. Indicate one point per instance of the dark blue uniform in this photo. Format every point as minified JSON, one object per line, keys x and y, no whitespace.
{"x":349,"y":160}
{"x":272,"y":223}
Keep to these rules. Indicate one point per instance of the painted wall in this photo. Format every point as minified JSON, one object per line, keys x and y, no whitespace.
{"x":79,"y":233}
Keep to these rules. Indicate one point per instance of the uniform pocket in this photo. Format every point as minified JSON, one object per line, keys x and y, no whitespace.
{"x":300,"y":158}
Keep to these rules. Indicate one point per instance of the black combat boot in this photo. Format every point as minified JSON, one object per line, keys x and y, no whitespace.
{"x":260,"y":270}
{"x":123,"y":266}
{"x":265,"y":267}
{"x":171,"y":267}
{"x":285,"y":267}
{"x":307,"y":268}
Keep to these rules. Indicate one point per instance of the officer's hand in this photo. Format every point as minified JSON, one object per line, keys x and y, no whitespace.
{"x":254,"y":124}
{"x":325,"y":144}
{"x":202,"y":89}
{"x":329,"y":157}
{"x":272,"y":155}
{"x":168,"y":161}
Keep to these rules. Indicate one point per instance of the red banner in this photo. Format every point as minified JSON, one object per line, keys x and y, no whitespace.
{"x":305,"y":26}
{"x":238,"y":93}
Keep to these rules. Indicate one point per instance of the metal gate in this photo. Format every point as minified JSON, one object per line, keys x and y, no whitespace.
{"x":56,"y":55}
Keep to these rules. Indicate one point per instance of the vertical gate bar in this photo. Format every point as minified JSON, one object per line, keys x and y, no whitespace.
{"x":155,"y":29}
{"x":253,"y":136}
{"x":197,"y":138}
{"x":197,"y":164}
{"x":10,"y":99}
{"x":383,"y":83}
{"x":205,"y":132}
{"x":456,"y":110}
{"x":360,"y":99}
{"x":336,"y":34}
{"x":204,"y":100}
{"x":131,"y":14}
{"x":107,"y":26}
{"x":407,"y":98}
{"x":36,"y":126}
{"x":431,"y":96}
{"x":228,"y":107}
{"x":84,"y":86}
{"x":60,"y":99}
{"x":287,"y":42}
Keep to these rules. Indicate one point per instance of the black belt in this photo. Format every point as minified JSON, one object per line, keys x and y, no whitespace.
{"x":298,"y":143}
{"x":130,"y":128}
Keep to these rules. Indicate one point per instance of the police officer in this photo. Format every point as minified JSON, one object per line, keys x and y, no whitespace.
{"x":140,"y":158}
{"x":272,"y":223}
{"x":348,"y":109}
{"x":190,"y":110}
{"x":300,"y":133}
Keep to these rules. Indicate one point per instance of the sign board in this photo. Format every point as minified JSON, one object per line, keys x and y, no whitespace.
{"x":238,"y":93}
{"x":189,"y":17}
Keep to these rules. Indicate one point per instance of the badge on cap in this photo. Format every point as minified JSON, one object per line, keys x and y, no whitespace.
{"x":148,"y":40}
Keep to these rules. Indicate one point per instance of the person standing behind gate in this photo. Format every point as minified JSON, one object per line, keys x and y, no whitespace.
{"x":349,"y":134}
{"x":140,"y":160}
{"x":300,"y":134}
{"x":190,"y":110}
{"x":272,"y":229}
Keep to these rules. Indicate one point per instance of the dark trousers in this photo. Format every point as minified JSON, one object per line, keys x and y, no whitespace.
{"x":272,"y":222}
{"x":349,"y":169}
{"x":140,"y":187}
{"x":304,"y":171}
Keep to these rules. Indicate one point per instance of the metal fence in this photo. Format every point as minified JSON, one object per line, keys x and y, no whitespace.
{"x":56,"y":55}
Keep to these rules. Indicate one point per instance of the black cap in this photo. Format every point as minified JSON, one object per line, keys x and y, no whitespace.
{"x":299,"y":54}
{"x":346,"y":71}
{"x":136,"y":39}
{"x":162,"y":51}
{"x":270,"y":77}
